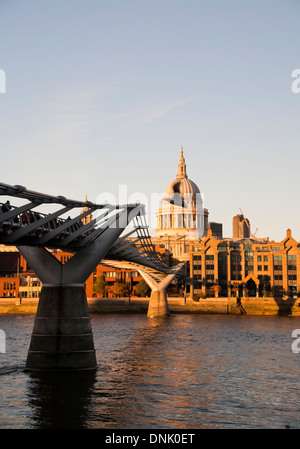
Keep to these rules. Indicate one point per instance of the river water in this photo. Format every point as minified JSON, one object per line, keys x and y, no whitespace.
{"x":183,"y":372}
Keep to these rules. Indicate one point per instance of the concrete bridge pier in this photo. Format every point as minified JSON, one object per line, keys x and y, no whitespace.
{"x":158,"y":304}
{"x":62,"y":337}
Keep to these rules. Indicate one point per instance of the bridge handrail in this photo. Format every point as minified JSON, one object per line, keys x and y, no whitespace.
{"x":21,"y":220}
{"x":20,"y":225}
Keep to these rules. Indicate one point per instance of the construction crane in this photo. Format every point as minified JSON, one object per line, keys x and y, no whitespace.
{"x":247,"y":224}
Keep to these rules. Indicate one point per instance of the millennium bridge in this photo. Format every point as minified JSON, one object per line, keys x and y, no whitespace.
{"x":118,"y":236}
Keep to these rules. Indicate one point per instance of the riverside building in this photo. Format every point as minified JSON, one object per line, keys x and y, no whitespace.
{"x":245,"y":267}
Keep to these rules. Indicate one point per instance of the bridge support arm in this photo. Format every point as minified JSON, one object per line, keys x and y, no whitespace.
{"x":46,"y":266}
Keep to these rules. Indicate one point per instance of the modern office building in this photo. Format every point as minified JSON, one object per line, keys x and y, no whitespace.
{"x":240,"y":227}
{"x":216,"y":229}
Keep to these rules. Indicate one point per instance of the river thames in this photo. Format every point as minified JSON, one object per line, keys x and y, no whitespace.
{"x":182,"y":372}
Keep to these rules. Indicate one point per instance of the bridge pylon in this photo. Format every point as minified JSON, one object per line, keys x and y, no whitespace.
{"x":62,"y":336}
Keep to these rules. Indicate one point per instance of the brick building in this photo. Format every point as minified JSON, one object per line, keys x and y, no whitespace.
{"x":245,"y":267}
{"x":9,"y":287}
{"x":17,"y":279}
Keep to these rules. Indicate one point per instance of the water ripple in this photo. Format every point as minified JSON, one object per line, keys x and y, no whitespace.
{"x":190,"y":371}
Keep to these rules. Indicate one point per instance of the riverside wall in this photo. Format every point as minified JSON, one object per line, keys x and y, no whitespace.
{"x":248,"y":306}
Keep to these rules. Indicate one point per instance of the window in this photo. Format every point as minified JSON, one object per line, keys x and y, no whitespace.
{"x":265,"y":258}
{"x":277,"y":257}
{"x":210,"y":267}
{"x":292,"y":267}
{"x":291,"y":257}
{"x":209,"y":257}
{"x":197,"y":277}
{"x":259,"y":267}
{"x":210,"y":277}
{"x":262,"y":248}
{"x":258,"y":258}
{"x":265,"y":267}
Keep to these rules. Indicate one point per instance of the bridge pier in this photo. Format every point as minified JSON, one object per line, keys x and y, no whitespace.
{"x":158,"y":304}
{"x":62,"y":336}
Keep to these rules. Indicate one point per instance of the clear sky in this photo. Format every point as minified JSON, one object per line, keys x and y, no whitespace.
{"x":103,"y":93}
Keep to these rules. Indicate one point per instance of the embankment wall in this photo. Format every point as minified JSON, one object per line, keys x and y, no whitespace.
{"x":248,"y":306}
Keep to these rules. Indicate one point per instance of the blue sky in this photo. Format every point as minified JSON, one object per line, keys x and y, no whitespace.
{"x":104,"y":93}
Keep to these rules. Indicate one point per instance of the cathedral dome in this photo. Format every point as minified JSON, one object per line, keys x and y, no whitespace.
{"x":182,"y":186}
{"x":181,"y":213}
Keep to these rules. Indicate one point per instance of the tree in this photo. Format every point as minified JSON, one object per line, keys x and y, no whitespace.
{"x":120,"y":289}
{"x":100,"y":286}
{"x":217,"y":289}
{"x":142,"y":288}
{"x":266,"y":292}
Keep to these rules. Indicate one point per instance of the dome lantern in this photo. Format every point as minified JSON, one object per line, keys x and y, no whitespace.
{"x":181,"y":167}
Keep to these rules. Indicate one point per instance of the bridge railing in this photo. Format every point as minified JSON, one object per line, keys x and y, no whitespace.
{"x":21,"y":225}
{"x":22,"y":220}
